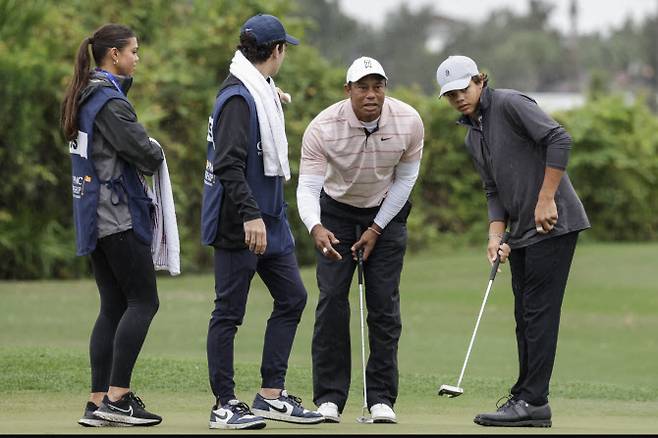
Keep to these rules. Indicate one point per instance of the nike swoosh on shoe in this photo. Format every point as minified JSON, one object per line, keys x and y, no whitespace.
{"x":128,"y":411}
{"x":283,"y":408}
{"x":223,"y":416}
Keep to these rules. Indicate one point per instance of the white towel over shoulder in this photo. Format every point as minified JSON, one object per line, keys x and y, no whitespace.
{"x":165,"y":247}
{"x":270,"y":116}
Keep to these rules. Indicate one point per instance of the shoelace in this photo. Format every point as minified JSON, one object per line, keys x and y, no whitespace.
{"x":137,"y":400}
{"x":509,"y":399}
{"x":295,"y":400}
{"x":241,"y":409}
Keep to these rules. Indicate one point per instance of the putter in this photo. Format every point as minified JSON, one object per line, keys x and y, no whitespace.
{"x":365,"y":417}
{"x":456,"y":391}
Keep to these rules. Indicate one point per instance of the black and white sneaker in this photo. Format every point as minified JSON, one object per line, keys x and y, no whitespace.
{"x":285,"y":408}
{"x":89,"y":420}
{"x":234,"y":415}
{"x":128,"y":410}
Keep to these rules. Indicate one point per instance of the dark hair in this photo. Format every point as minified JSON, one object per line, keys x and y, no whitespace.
{"x":256,"y":53}
{"x":482,"y":77}
{"x":103,"y":39}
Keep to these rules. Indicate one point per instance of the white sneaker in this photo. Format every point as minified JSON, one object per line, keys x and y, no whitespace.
{"x":330,"y":412}
{"x":382,"y":413}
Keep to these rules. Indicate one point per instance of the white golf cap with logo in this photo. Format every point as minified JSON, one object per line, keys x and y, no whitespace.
{"x":455,"y":73}
{"x":362,"y":67}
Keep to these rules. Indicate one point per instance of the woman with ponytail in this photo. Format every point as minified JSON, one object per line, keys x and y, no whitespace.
{"x":110,"y":153}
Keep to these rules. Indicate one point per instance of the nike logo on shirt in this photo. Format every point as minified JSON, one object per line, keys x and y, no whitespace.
{"x":387,"y":138}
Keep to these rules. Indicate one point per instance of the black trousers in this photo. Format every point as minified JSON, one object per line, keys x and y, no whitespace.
{"x":331,"y":349}
{"x":234,"y":271}
{"x":539,"y":278}
{"x":123,"y":267}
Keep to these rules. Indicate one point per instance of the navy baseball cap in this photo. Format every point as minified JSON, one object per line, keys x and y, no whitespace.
{"x":267,"y":29}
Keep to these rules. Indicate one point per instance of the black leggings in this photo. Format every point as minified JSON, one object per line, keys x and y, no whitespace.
{"x":125,"y":276}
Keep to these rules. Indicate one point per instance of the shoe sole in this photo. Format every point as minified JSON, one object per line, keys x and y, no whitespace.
{"x":287,"y":418}
{"x":524,"y":423}
{"x":124,"y":419}
{"x":382,"y":420}
{"x":331,"y":419}
{"x":94,"y":422}
{"x":254,"y":425}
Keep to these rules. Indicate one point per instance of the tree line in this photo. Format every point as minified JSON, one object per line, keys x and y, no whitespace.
{"x":523,"y":49}
{"x":185,"y":51}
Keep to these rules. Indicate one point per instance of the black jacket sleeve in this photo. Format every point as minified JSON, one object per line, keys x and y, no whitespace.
{"x":118,"y":123}
{"x":232,"y":142}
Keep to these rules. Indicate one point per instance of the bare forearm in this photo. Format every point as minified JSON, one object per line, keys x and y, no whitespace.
{"x":496,"y":229}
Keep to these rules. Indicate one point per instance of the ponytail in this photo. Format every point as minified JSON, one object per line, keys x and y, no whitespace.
{"x":103,"y":39}
{"x":78,"y":83}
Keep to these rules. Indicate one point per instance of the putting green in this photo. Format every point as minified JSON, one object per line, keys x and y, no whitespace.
{"x":605,"y":379}
{"x":187,"y":413}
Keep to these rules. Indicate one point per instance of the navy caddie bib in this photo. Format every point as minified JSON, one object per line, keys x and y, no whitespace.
{"x":267,"y":190}
{"x":126,"y":188}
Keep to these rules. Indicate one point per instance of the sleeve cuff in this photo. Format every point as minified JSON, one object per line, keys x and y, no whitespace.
{"x":496,"y":210}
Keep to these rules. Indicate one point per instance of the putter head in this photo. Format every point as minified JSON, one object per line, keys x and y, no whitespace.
{"x":450,"y":391}
{"x":365,"y":417}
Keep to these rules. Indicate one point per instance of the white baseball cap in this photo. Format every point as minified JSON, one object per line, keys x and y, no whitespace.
{"x":364,"y":66}
{"x":455,"y":73}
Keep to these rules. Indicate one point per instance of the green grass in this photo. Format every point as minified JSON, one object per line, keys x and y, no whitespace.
{"x":605,"y":378}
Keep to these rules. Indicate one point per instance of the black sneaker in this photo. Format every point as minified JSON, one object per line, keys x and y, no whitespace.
{"x":517,"y":413}
{"x":89,"y":420}
{"x":286,"y":407}
{"x":128,"y":410}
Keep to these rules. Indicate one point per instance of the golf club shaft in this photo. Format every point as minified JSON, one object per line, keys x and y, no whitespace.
{"x":477,"y":324}
{"x":363,"y":349}
{"x":363,"y":337}
{"x":492,"y":276}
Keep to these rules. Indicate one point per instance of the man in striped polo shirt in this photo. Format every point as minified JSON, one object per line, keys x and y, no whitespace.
{"x":360,"y":160}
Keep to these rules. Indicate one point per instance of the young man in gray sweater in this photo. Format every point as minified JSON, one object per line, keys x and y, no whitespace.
{"x":521,"y":154}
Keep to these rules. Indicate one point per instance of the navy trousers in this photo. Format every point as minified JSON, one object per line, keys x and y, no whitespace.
{"x":234,"y":271}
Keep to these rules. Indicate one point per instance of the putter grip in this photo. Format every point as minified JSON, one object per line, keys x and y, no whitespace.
{"x":494,"y":267}
{"x":359,"y":255}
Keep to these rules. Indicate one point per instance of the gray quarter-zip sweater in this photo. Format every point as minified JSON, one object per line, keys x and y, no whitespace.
{"x":511,"y":146}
